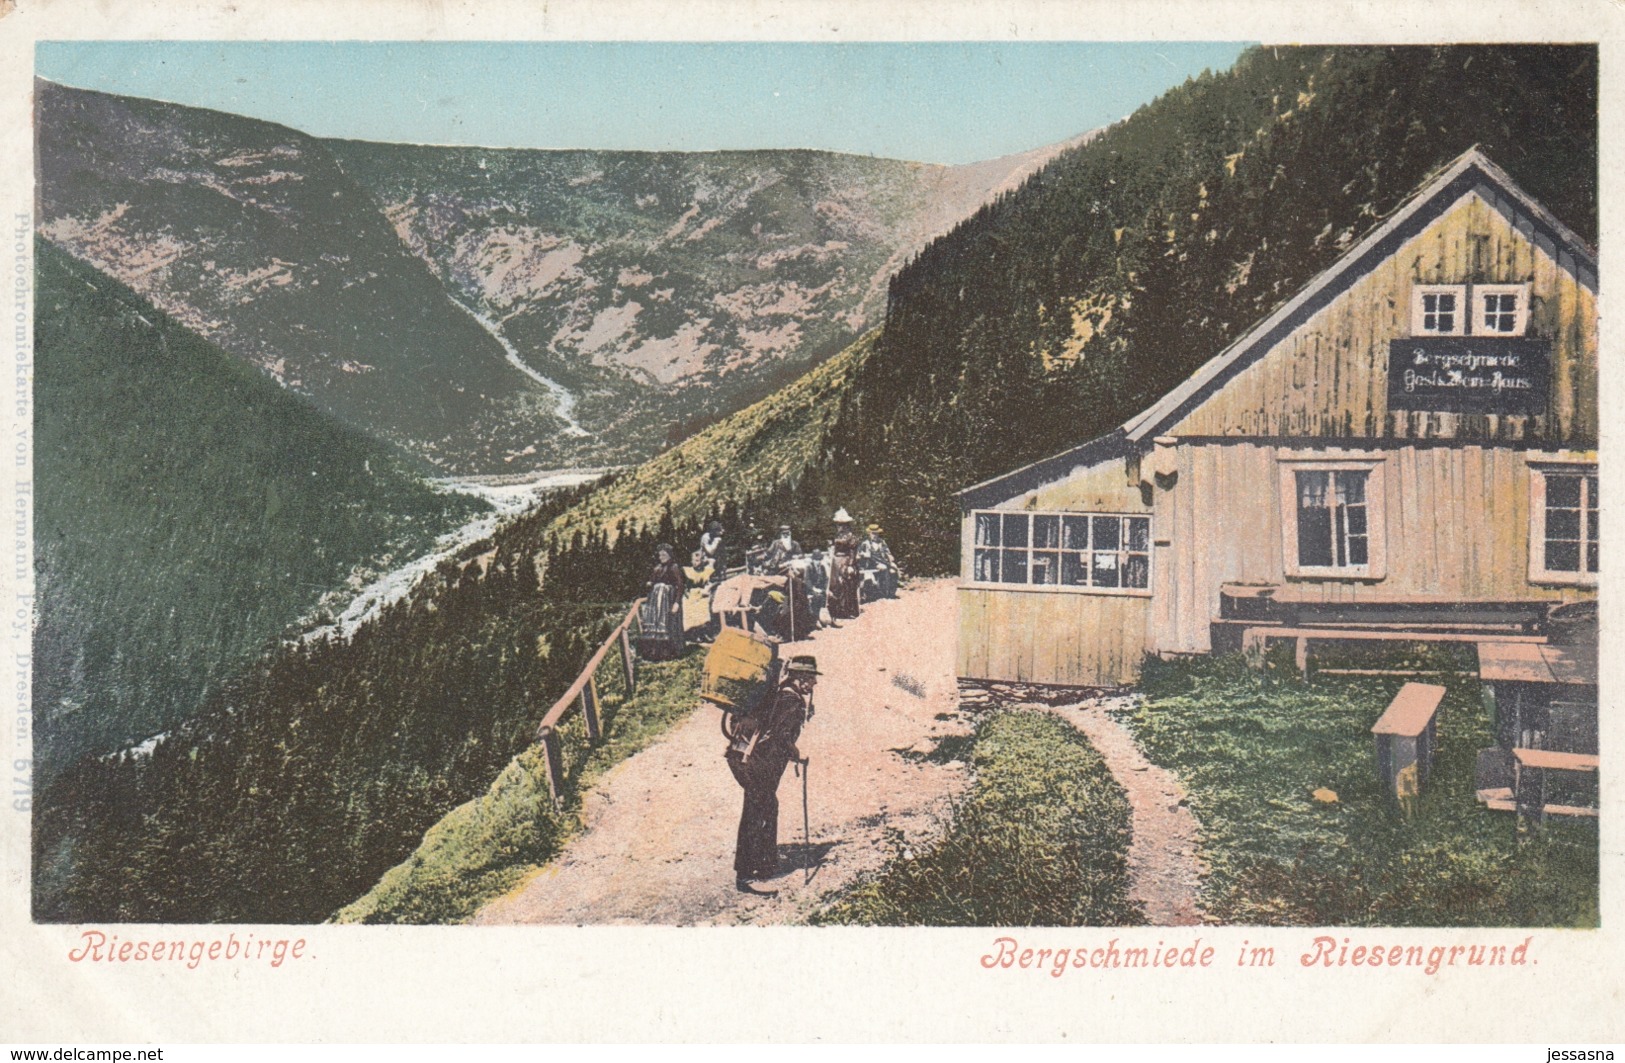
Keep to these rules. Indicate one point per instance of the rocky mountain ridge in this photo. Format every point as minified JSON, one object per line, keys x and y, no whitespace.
{"x":491,"y":310}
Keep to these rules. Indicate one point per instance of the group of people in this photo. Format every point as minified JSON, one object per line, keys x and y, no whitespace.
{"x":661,"y":617}
{"x":763,"y":744}
{"x":835,"y":583}
{"x":851,"y":572}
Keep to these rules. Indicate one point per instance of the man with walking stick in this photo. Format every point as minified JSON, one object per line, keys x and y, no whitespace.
{"x":763,"y":744}
{"x":803,"y":769}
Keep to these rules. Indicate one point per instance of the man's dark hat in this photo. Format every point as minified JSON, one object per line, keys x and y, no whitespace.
{"x":784,"y":527}
{"x":803,"y":664}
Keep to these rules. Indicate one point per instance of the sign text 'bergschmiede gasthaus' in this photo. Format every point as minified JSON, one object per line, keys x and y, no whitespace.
{"x":1469,"y":374}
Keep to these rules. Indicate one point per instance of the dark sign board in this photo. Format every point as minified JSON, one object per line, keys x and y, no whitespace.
{"x":1469,"y":374}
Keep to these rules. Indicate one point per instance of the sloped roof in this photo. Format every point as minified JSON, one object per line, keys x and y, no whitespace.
{"x":1471,"y":172}
{"x":1046,"y":470}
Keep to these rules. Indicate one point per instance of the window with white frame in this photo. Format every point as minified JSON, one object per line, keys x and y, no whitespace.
{"x":1478,"y":310}
{"x":1564,"y":527}
{"x":1333,"y":529}
{"x":1332,"y":519}
{"x":1500,"y":309}
{"x":1077,"y":551}
{"x":1439,"y":310}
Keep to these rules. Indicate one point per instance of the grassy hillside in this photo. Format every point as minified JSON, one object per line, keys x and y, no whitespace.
{"x":756,"y":456}
{"x":486,"y":847}
{"x":1041,"y":840}
{"x":187,"y":511}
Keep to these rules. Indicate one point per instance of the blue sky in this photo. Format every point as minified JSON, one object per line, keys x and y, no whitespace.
{"x":934,"y":102}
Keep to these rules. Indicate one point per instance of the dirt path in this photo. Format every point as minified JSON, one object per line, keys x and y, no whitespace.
{"x":658,"y":847}
{"x":1162,"y":858}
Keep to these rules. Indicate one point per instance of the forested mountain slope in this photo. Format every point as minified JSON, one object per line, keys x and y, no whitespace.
{"x":1063,"y":309}
{"x":1056,"y":313}
{"x":307,"y":774}
{"x":186,"y":511}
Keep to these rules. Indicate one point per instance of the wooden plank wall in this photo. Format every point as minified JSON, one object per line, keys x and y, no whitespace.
{"x":1329,"y":378}
{"x":1457,"y":515}
{"x":1056,"y":637}
{"x":1457,"y":527}
{"x":1070,"y":638}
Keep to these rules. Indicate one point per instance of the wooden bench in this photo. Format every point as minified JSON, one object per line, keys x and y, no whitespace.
{"x":1542,"y":696}
{"x":1528,"y":798}
{"x":1527,"y":794}
{"x":1406,"y":735}
{"x":1255,"y":637}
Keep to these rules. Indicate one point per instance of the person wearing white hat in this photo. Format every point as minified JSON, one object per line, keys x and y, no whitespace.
{"x":843,"y":569}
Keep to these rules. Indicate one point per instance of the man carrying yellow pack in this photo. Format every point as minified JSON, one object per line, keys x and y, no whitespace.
{"x":763,"y":744}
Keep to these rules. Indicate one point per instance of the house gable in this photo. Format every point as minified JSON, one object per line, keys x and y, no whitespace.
{"x":1329,"y":376}
{"x":1470,"y":224}
{"x":1484,"y":228}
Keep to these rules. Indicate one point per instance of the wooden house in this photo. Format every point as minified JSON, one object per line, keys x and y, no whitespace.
{"x":1407,"y":444}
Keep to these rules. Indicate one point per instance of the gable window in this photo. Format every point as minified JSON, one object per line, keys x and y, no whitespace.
{"x":1332,"y":518}
{"x":1500,"y":309}
{"x":1479,"y":310}
{"x":1563,"y":541}
{"x":1438,"y":310}
{"x":1065,"y":551}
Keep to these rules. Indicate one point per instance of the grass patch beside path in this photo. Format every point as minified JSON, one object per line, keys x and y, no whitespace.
{"x":1041,"y":840}
{"x":1250,"y":746}
{"x":484,"y":848}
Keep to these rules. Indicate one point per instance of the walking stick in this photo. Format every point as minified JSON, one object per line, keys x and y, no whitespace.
{"x":806,"y":821}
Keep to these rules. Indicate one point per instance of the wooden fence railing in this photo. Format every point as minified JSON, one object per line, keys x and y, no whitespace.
{"x":584,"y":693}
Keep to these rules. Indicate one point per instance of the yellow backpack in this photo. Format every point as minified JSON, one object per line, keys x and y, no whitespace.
{"x":741,"y":671}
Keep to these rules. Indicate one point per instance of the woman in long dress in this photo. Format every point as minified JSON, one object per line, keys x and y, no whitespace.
{"x":662,"y":613}
{"x":843,"y":570}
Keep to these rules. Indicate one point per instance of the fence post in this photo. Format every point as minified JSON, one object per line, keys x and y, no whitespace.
{"x":589,"y":708}
{"x":626,"y":660}
{"x":555,"y":764}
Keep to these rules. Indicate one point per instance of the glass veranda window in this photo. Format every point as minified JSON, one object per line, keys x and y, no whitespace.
{"x":1080,"y":550}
